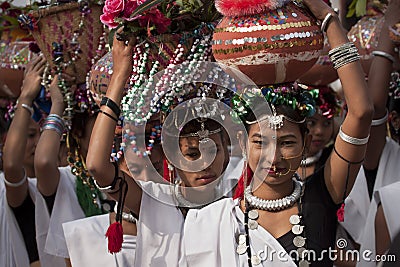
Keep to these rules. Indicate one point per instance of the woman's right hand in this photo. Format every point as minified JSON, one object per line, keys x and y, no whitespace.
{"x":55,"y":91}
{"x":32,"y":78}
{"x":122,"y":52}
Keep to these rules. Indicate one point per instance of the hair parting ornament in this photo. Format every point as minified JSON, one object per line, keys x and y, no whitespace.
{"x":203,"y":134}
{"x":290,"y":95}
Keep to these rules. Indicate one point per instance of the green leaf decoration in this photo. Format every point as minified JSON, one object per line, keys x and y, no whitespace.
{"x":358,"y":8}
{"x":146,"y":6}
{"x":351,"y":9}
{"x":361,"y":8}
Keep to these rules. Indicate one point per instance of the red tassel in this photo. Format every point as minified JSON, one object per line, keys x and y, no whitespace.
{"x":340,"y":213}
{"x":166,"y":171}
{"x":115,"y":237}
{"x":239,"y":191}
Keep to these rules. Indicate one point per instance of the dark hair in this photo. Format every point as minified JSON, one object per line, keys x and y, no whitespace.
{"x":281,"y":109}
{"x":195,"y":125}
{"x":394,"y":104}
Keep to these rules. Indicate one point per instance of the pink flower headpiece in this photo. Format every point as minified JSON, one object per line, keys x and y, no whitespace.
{"x":116,"y":12}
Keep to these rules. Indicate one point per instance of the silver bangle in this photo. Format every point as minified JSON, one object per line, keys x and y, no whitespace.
{"x":337,"y":65}
{"x":325,"y":21}
{"x":380,"y":121}
{"x":352,"y":140}
{"x":17,"y":184}
{"x":128,"y":217}
{"x":384,"y":54}
{"x":28,"y":108}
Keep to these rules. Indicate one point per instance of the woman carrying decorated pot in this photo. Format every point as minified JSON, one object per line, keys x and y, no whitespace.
{"x":191,"y":168}
{"x":281,"y":221}
{"x":20,"y":187}
{"x":377,"y":185}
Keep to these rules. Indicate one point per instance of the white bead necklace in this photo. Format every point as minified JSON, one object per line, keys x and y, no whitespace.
{"x":275,"y":204}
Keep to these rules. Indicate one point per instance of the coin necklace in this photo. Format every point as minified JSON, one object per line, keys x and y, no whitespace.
{"x":251,"y":216}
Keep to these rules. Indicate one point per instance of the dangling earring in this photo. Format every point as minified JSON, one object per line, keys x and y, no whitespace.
{"x":303,"y":167}
{"x":244,"y":156}
{"x":171,"y":174}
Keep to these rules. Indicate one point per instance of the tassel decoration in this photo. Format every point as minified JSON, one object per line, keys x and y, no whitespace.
{"x":115,"y":237}
{"x":239,"y":191}
{"x":340,"y":213}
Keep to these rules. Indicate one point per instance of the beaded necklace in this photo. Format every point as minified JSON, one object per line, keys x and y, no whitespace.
{"x":89,"y":196}
{"x":311,"y":160}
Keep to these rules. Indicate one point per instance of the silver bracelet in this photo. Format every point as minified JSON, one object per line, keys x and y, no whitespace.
{"x":384,"y":54}
{"x":28,"y":108}
{"x":352,"y":140}
{"x":325,"y":21}
{"x":17,"y":184}
{"x":128,"y":217}
{"x":380,"y":121}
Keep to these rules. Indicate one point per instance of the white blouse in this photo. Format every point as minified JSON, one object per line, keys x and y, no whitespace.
{"x":211,"y":234}
{"x":87,"y":244}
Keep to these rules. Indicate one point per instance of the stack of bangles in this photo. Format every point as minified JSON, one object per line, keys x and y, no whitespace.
{"x":343,"y":55}
{"x":55,"y":123}
{"x":105,"y":101}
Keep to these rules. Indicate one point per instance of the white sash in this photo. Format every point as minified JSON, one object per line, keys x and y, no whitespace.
{"x":87,"y":245}
{"x":159,"y":228}
{"x":357,"y":203}
{"x":12,"y":246}
{"x":210,"y":238}
{"x":387,"y":196}
{"x":49,"y":231}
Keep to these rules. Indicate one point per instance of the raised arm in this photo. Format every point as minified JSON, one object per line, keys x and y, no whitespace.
{"x":98,"y":157}
{"x":378,"y":83}
{"x":350,"y":145}
{"x":22,"y":136}
{"x":47,"y":151}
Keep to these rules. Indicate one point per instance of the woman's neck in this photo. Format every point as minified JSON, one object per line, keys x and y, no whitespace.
{"x":274,"y":191}
{"x":198,"y":196}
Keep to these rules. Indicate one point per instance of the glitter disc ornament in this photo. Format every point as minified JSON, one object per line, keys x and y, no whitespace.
{"x":365,"y":34}
{"x":13,"y":59}
{"x":100,"y":76}
{"x":394,"y":33}
{"x":269,"y":41}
